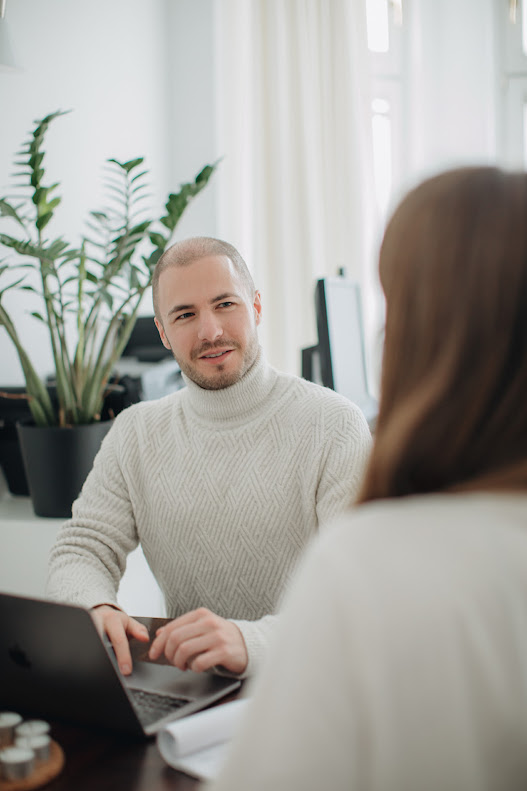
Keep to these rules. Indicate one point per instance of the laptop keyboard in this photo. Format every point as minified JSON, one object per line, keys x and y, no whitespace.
{"x":151,"y":706}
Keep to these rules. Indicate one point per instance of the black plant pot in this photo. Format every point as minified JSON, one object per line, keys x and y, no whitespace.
{"x":13,"y":407}
{"x":11,"y":461}
{"x":57,"y":461}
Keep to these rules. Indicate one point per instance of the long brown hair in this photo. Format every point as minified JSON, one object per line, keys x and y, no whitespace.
{"x":453,"y":406}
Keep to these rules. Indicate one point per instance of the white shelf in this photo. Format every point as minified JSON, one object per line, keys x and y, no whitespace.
{"x":25,"y":543}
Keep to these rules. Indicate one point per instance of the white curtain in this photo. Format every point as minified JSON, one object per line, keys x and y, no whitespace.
{"x":294,"y":129}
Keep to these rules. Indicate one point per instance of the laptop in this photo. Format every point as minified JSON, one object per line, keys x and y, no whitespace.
{"x":54,"y":664}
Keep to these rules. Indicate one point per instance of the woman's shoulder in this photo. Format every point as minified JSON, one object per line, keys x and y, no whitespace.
{"x":419,"y":540}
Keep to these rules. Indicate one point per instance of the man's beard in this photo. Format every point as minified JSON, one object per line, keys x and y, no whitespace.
{"x":219,"y":378}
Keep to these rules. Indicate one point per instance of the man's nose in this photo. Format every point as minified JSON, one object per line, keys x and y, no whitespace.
{"x":210,"y":328}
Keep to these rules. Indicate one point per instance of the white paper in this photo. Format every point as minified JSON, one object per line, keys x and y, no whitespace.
{"x":197,"y":744}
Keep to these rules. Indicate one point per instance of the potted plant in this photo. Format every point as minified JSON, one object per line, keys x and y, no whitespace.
{"x":88,"y":295}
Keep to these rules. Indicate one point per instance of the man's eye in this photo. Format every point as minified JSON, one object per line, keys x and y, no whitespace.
{"x":225,"y":304}
{"x":183,"y":316}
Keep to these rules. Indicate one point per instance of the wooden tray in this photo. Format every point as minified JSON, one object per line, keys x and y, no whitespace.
{"x":43,"y":773}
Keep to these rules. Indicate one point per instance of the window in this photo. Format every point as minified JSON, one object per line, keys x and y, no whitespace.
{"x":385,"y":33}
{"x":511,"y":18}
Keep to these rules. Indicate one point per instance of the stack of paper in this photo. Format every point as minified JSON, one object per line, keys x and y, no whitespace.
{"x":198,"y":744}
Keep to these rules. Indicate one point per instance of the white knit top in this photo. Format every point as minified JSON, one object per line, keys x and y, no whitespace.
{"x":400,"y":658}
{"x":223,"y":489}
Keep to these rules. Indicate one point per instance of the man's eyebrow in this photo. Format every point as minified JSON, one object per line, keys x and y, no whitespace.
{"x":177,"y":308}
{"x":219,"y":298}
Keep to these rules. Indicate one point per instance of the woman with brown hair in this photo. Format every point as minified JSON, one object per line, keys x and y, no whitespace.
{"x":453,"y":267}
{"x":401,"y":657}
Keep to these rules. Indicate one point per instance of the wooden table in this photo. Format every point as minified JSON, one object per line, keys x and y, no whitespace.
{"x":105,"y":761}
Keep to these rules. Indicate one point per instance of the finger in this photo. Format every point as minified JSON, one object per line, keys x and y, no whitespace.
{"x":175,"y":635}
{"x":158,"y":644}
{"x":209,"y":659}
{"x":119,"y":640}
{"x":191,"y":629}
{"x":181,"y":653}
{"x":227,"y":649}
{"x":98,"y":619}
{"x":193,"y":616}
{"x":191,"y":623}
{"x":138,"y":630}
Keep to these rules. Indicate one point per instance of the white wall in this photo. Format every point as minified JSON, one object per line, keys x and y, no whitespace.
{"x":138,"y":79}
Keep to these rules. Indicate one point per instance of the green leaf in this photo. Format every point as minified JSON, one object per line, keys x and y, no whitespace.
{"x":13,"y":285}
{"x":23,"y":248}
{"x":140,"y":188}
{"x":128,"y":166}
{"x":7,"y":210}
{"x":140,"y":228}
{"x":43,"y":220}
{"x":117,"y":189}
{"x":36,"y":177}
{"x":53,"y":204}
{"x":139,"y":176}
{"x":56,"y":248}
{"x":205,"y":174}
{"x":107,"y":297}
{"x":152,"y":259}
{"x":158,"y":240}
{"x":135,"y":281}
{"x":36,"y":160}
{"x":46,"y":254}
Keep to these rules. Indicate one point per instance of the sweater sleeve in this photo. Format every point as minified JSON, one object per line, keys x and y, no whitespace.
{"x":88,"y":558}
{"x":256,"y":635}
{"x":347,"y":450}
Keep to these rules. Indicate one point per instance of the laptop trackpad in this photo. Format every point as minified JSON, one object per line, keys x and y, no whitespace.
{"x":172,"y":681}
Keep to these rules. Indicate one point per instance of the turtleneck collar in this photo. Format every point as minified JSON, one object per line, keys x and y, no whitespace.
{"x":236,"y":401}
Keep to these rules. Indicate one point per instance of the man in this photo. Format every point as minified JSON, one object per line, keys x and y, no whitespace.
{"x":222,"y":483}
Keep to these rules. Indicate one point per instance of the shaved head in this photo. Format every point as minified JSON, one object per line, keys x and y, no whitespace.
{"x":183,"y":253}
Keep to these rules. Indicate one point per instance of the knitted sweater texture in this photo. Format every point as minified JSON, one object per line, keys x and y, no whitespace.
{"x":223,"y":489}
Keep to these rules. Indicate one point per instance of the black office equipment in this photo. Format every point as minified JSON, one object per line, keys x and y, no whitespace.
{"x":144,"y":342}
{"x":339,"y":359}
{"x":148,"y":369}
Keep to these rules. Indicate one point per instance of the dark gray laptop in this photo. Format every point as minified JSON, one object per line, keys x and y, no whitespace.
{"x":54,"y":664}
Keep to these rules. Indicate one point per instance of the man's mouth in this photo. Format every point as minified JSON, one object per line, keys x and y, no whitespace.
{"x":214,"y":355}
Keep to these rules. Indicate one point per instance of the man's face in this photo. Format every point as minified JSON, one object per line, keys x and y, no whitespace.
{"x":208,"y":321}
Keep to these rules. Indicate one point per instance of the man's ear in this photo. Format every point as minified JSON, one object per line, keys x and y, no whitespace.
{"x":257,"y":305}
{"x":162,"y":335}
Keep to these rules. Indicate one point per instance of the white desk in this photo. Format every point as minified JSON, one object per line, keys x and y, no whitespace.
{"x":25,"y":542}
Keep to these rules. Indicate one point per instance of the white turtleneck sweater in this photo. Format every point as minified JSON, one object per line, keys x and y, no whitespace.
{"x":222,"y":488}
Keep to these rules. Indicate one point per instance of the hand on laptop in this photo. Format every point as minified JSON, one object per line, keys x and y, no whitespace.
{"x":119,"y":627}
{"x":200,"y":640}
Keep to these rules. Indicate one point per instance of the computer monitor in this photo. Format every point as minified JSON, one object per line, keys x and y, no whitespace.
{"x":339,"y":360}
